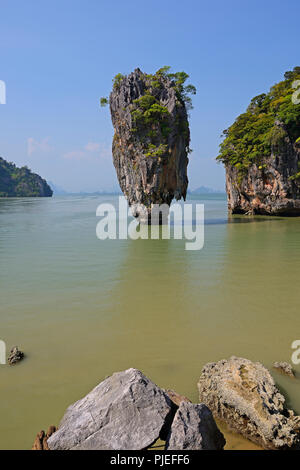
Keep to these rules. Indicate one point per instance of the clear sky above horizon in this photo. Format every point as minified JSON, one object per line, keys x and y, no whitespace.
{"x":59,"y":57}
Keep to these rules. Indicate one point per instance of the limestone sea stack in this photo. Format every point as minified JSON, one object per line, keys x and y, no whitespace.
{"x":261,"y":153}
{"x":151,"y":140}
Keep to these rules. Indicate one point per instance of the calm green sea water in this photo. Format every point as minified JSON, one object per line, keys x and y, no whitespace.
{"x":82,"y":308}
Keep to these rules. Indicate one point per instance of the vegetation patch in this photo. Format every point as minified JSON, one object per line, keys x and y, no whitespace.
{"x":254,"y":134}
{"x":151,"y":118}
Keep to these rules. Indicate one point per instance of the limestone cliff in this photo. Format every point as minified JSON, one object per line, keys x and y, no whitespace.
{"x":261,"y":153}
{"x":151,"y":140}
{"x":268,"y":187}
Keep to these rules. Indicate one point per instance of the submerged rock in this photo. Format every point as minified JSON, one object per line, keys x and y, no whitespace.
{"x":124,"y":412}
{"x":244,"y":395}
{"x":151,"y":140}
{"x":15,"y":355}
{"x":284,"y":368}
{"x":194,"y":428}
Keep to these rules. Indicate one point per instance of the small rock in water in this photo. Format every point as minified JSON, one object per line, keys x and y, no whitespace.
{"x":15,"y":355}
{"x":284,"y":368}
{"x":194,"y":428}
{"x":40,"y":442}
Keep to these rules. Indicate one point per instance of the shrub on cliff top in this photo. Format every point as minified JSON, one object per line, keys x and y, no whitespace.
{"x":250,"y":138}
{"x":149,"y":116}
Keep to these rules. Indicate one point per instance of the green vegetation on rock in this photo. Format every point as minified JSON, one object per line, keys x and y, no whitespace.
{"x":251,"y":137}
{"x":103,"y":101}
{"x":21,"y":182}
{"x":149,"y":115}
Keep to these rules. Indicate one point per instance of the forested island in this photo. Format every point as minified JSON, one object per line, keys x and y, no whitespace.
{"x":261,"y":152}
{"x":21,"y":182}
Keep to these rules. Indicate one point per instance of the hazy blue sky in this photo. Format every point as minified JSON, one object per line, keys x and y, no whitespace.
{"x":58,"y":57}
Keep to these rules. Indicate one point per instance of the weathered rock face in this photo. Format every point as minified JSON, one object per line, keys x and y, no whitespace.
{"x":150,"y":158}
{"x":124,"y":412}
{"x":244,"y":395}
{"x":267,"y":187}
{"x":194,"y":428}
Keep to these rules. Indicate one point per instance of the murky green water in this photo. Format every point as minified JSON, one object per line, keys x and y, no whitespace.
{"x":82,"y":308}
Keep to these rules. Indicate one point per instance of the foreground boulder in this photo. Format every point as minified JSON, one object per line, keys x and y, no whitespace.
{"x":151,"y":140}
{"x":124,"y":412}
{"x":194,"y":428}
{"x":244,"y":395}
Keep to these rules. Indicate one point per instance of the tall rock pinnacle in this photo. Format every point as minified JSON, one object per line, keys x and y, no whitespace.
{"x":151,"y":141}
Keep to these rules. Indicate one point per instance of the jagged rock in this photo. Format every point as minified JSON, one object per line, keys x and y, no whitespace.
{"x":244,"y":395}
{"x":285,"y":368}
{"x":41,"y":439}
{"x":15,"y":355}
{"x":194,"y":428}
{"x":124,"y":412}
{"x":150,"y":161}
{"x":176,"y":397}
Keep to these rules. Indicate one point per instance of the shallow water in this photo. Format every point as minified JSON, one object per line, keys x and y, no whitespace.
{"x":82,"y":308}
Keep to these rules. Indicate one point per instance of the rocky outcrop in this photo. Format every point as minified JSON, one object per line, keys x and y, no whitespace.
{"x":267,"y":188}
{"x":285,"y":368}
{"x":244,"y":395}
{"x":194,"y":428}
{"x":151,"y":141}
{"x":15,"y":355}
{"x":124,"y":412}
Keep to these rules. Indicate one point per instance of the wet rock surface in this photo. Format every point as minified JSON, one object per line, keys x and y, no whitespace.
{"x":125,"y":411}
{"x":244,"y":395}
{"x":194,"y":428}
{"x":150,"y":158}
{"x":15,"y":356}
{"x":285,"y":368}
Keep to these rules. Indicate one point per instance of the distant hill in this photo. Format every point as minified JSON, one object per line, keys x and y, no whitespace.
{"x":205,"y":190}
{"x":57,"y":190}
{"x":21,"y":182}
